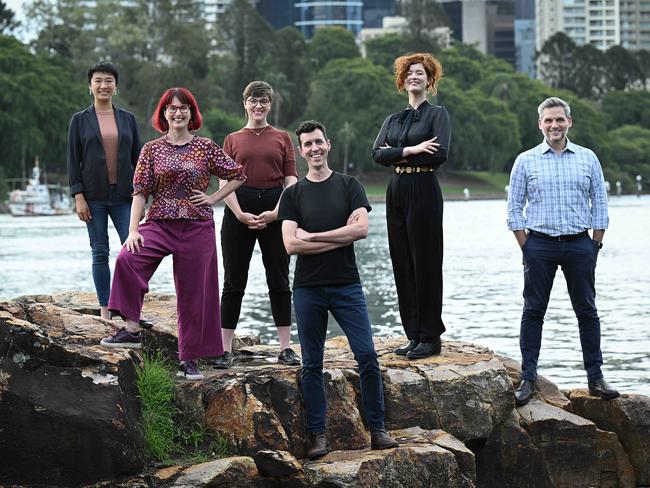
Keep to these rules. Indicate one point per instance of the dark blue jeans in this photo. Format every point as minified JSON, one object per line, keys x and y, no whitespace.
{"x":578,"y":261}
{"x":348,"y":306}
{"x":120,"y":213}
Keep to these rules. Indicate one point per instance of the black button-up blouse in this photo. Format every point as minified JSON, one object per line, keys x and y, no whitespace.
{"x":409,"y":128}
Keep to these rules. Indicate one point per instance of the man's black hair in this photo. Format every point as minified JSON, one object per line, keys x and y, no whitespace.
{"x":307,"y":126}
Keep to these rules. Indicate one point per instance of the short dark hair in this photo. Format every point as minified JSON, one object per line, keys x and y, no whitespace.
{"x":307,"y":126}
{"x":258,"y":89}
{"x":185,"y":96}
{"x":103,"y":67}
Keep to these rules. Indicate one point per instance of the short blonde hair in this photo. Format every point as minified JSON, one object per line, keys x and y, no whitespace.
{"x":431,"y":65}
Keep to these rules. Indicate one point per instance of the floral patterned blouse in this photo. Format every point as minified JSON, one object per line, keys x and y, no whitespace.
{"x":169,"y":173}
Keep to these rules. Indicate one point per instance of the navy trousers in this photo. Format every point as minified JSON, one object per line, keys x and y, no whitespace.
{"x":348,"y":306}
{"x":578,"y":262}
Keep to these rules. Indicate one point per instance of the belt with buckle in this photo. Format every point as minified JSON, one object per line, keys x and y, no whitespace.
{"x":569,"y":237}
{"x":414,"y":169}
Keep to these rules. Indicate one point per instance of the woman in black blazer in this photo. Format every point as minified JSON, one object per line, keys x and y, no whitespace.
{"x":415,"y":142}
{"x":103,"y":149}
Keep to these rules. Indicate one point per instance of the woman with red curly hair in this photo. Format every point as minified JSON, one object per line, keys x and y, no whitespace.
{"x":415,"y":142}
{"x":175,"y":170}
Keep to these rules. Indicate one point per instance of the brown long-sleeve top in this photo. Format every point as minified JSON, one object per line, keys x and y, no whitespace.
{"x":267,"y":158}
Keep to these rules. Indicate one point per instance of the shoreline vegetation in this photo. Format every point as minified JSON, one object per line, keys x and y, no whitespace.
{"x":482,"y":185}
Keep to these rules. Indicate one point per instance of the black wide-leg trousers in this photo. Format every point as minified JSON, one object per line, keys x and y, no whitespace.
{"x":414,"y":209}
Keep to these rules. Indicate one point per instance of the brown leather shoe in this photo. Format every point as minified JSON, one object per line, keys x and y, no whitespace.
{"x":379,"y":439}
{"x":318,"y":446}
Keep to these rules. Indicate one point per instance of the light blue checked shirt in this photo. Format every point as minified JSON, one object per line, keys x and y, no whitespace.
{"x":557,"y":194}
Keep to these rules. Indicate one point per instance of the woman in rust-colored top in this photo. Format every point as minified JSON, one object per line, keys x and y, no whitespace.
{"x":269,"y":162}
{"x":175,"y":170}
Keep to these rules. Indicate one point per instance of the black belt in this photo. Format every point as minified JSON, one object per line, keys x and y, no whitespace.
{"x":569,"y":237}
{"x":413,"y":169}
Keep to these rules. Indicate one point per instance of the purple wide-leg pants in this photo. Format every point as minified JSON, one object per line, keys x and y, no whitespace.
{"x":192,"y":243}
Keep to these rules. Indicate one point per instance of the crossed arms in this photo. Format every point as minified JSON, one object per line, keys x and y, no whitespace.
{"x":299,"y":241}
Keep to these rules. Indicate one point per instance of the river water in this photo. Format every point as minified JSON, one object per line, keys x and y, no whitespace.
{"x":483,"y":284}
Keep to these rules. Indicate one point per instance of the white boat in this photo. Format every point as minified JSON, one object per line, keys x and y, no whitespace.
{"x":38,"y":198}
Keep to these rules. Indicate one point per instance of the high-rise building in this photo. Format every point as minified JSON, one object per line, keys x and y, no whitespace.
{"x":278,"y":13}
{"x":635,"y":24}
{"x":525,"y":37}
{"x":488,"y":24}
{"x":594,"y":22}
{"x":375,"y":10}
{"x":313,"y":14}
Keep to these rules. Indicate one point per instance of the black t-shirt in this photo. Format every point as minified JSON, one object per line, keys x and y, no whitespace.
{"x":319,"y":207}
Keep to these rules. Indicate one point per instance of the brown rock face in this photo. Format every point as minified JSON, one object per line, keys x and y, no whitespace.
{"x":627,"y":416}
{"x":68,"y":408}
{"x":540,"y":445}
{"x":235,"y":472}
{"x":412,"y":466}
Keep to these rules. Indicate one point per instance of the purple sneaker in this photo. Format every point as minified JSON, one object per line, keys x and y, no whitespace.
{"x":123,"y":338}
{"x":189,"y":370}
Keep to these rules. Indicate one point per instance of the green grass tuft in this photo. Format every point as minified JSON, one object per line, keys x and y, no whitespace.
{"x":168,"y":436}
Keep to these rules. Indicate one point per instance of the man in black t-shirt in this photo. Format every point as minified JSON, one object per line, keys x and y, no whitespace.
{"x":322,"y":215}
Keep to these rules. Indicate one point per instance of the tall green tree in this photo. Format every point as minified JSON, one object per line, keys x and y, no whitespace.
{"x":385,"y":49}
{"x":630,"y":107}
{"x":332,"y":43}
{"x":557,"y":61}
{"x":591,"y":73}
{"x":8,"y":21}
{"x":422,"y":17}
{"x":359,"y":93}
{"x":246,"y":34}
{"x":34,"y":120}
{"x":624,"y":70}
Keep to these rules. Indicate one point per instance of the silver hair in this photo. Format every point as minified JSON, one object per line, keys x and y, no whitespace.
{"x":553,"y":102}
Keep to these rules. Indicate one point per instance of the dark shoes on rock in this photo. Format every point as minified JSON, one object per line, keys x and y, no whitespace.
{"x":409,"y":346}
{"x":318,"y":445}
{"x":224,"y":361}
{"x":525,"y":392}
{"x":379,"y":439}
{"x":602,"y":389}
{"x":289,"y":357}
{"x":425,"y":349}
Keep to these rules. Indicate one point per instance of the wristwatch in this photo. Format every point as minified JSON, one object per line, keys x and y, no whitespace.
{"x":600,"y":244}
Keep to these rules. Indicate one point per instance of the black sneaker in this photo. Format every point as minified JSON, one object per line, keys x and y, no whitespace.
{"x":224,"y":361}
{"x":289,"y":357}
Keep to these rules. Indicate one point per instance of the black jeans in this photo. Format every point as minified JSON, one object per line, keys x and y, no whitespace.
{"x":414,"y":217}
{"x":237,"y":244}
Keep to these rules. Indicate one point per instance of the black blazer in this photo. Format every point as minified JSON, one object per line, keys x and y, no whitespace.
{"x":409,"y":128}
{"x":87,"y":171}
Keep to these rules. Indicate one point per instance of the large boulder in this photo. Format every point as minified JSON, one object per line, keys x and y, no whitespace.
{"x":409,"y":466}
{"x":629,"y":417}
{"x":68,"y":408}
{"x":540,"y":445}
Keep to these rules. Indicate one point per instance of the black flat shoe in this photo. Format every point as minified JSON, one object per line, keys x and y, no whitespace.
{"x":318,"y":446}
{"x":525,"y":392}
{"x":409,"y":346}
{"x":223,"y":362}
{"x":602,"y":389}
{"x":425,"y":349}
{"x":146,"y":324}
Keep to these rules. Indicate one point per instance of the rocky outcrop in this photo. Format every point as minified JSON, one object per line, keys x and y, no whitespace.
{"x":629,"y":418}
{"x":68,"y":408}
{"x":69,"y":414}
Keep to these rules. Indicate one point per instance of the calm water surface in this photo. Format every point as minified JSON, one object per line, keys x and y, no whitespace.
{"x":483,"y":284}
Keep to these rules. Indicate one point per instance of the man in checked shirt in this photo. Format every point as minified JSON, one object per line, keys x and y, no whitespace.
{"x":557,"y":192}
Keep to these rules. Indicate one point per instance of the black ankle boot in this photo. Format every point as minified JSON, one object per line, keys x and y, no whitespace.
{"x":318,"y":446}
{"x":409,"y":346}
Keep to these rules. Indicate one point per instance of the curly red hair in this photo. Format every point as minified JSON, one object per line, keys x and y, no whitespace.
{"x":185,"y":96}
{"x":431,"y":65}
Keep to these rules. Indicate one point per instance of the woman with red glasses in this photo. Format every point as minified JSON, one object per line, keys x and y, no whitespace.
{"x":175,"y":170}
